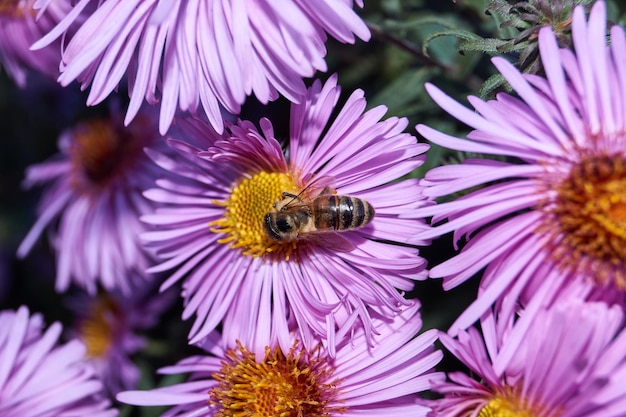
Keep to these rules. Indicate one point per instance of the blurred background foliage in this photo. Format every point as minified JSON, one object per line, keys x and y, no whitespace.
{"x":413,"y":41}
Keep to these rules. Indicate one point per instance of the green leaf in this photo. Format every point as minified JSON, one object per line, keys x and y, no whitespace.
{"x":404,"y":89}
{"x":492,"y":83}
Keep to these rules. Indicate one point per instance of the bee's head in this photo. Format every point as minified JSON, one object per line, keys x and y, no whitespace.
{"x":281,"y":226}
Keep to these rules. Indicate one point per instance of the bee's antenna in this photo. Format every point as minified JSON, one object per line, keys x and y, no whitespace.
{"x":295,"y":197}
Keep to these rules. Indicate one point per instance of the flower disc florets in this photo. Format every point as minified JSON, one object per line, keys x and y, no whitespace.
{"x":548,"y":221}
{"x":13,"y":8}
{"x":564,"y":361}
{"x":589,"y":219}
{"x":97,"y":327}
{"x":244,"y":210}
{"x":280,"y":385}
{"x":92,"y":201}
{"x":259,"y":274}
{"x":42,"y":376}
{"x":511,"y":402}
{"x":247,"y":379}
{"x":101,"y":152}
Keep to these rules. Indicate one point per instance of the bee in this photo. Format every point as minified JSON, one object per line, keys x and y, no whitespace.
{"x":294,"y":218}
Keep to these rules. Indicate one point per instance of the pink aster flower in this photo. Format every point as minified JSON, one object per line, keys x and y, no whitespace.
{"x":20,"y":26}
{"x":215,"y":232}
{"x":359,"y":381}
{"x":40,"y":377}
{"x":549,"y":220}
{"x":568,"y":361}
{"x":92,"y":203}
{"x":109,"y":325}
{"x":202,"y":54}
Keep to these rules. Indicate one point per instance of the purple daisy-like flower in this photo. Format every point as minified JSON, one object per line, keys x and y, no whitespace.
{"x":568,"y":361}
{"x":20,"y":26}
{"x":359,"y":381}
{"x":40,"y":377}
{"x":109,"y":325}
{"x":92,"y":203}
{"x":552,"y":215}
{"x":202,"y":54}
{"x":215,"y":231}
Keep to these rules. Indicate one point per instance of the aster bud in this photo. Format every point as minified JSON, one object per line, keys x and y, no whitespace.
{"x":527,"y":17}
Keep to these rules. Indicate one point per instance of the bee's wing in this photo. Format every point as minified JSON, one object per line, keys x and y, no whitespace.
{"x":331,"y":240}
{"x":318,"y":183}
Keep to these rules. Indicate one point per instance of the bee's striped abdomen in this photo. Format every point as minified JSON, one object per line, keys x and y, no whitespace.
{"x":341,"y":212}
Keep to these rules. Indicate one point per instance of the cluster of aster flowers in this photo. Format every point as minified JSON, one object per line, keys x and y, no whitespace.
{"x":295,"y":255}
{"x":307,"y":303}
{"x":548,"y":222}
{"x":40,"y":376}
{"x":126,"y":210}
{"x":195,"y":55}
{"x":546,"y":228}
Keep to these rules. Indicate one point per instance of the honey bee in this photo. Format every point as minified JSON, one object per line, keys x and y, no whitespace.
{"x":294,"y":218}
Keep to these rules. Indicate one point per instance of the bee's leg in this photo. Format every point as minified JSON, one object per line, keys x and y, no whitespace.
{"x":287,"y":200}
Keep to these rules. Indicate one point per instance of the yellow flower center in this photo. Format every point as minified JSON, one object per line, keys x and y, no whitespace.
{"x":590,"y":212}
{"x":97,"y":329}
{"x":509,"y":402}
{"x":292,"y":385}
{"x":99,"y":151}
{"x":250,"y":200}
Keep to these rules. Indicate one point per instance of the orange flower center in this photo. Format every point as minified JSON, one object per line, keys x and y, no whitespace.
{"x":98,"y":328}
{"x":100,"y":152}
{"x":590,"y":211}
{"x":14,"y":8}
{"x":292,"y":385}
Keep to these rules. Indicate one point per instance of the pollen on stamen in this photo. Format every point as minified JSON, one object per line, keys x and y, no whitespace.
{"x":102,"y":152}
{"x":510,"y":402}
{"x":14,"y":8}
{"x":96,"y":330}
{"x":250,"y":200}
{"x":588,"y":220}
{"x":297,"y":384}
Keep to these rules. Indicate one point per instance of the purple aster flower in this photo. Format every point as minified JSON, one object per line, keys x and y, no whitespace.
{"x":92,"y":203}
{"x":109,"y":325}
{"x":214,"y":228}
{"x":567,"y":361}
{"x":20,"y":26}
{"x":202,"y":54}
{"x":359,"y":381}
{"x":550,"y":219}
{"x":41,"y":378}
